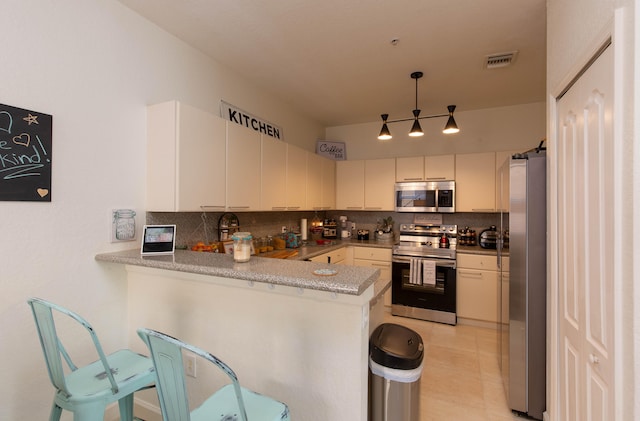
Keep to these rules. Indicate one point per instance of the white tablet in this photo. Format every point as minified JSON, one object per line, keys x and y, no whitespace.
{"x":158,"y":239}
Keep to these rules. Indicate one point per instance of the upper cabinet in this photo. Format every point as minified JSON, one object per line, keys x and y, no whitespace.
{"x":350,"y":185}
{"x":273,"y":176}
{"x":410,"y":168}
{"x":182,"y":144}
{"x":502,"y":180}
{"x":296,"y":178}
{"x":365,"y":185}
{"x":314,"y":181}
{"x":328,"y":197}
{"x":196,"y":161}
{"x":439,"y":167}
{"x":425,"y":168}
{"x":379,"y":184}
{"x":243,"y":168}
{"x":321,"y":182}
{"x":475,"y":178}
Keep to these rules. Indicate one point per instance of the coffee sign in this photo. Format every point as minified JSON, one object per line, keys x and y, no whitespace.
{"x":333,"y":150}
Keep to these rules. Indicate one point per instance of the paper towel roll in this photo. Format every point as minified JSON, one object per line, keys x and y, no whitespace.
{"x":303,"y":229}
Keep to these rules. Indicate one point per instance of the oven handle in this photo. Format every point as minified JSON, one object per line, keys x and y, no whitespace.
{"x":439,"y":262}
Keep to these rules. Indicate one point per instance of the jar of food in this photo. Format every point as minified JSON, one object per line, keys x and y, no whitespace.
{"x":125,"y":224}
{"x":242,"y":246}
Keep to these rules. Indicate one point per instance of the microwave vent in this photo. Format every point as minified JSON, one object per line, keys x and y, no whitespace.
{"x":494,"y":61}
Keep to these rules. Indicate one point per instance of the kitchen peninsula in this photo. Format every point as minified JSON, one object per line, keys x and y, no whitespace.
{"x":298,"y":336}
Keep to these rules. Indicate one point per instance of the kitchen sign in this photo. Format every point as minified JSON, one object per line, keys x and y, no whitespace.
{"x":243,"y":118}
{"x":333,"y":150}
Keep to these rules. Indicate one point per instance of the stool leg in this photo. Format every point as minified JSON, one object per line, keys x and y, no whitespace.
{"x":56,"y":412}
{"x":126,"y":408}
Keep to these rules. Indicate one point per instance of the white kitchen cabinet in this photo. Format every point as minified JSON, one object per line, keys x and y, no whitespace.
{"x":439,"y":167}
{"x":502,"y":180}
{"x":425,"y":168}
{"x":478,"y":288}
{"x":365,"y":185}
{"x":314,"y":181}
{"x":379,"y":258}
{"x":350,"y":185}
{"x":273,"y":175}
{"x":328,"y":184}
{"x":334,"y":257}
{"x":296,"y":178}
{"x":321,"y":182}
{"x":379,"y":181}
{"x":410,"y":168}
{"x":243,"y":168}
{"x":185,"y":159}
{"x":475,"y":176}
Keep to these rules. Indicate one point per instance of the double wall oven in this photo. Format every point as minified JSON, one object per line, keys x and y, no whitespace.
{"x":423,"y":280}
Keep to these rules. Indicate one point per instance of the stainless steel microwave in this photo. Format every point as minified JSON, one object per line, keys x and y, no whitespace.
{"x":426,"y":196}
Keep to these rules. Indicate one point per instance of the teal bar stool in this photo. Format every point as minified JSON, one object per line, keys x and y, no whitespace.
{"x":229,"y":403}
{"x":86,"y":391}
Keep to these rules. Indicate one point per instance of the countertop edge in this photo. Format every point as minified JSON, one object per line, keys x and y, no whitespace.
{"x":349,"y":280}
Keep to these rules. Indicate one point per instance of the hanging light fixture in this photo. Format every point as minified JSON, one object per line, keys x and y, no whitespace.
{"x":416,"y":130}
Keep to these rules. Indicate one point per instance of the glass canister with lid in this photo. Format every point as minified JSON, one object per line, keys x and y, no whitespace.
{"x":242,"y":246}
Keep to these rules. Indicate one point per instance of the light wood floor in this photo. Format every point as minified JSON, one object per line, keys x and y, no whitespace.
{"x":461,"y":378}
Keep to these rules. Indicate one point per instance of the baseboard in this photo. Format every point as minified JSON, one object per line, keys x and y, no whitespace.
{"x":478,"y":323}
{"x":142,"y":410}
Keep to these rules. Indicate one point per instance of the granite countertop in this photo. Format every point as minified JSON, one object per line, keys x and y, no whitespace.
{"x":311,"y":249}
{"x":350,"y":280}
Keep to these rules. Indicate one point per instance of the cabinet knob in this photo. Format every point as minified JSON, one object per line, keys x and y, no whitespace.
{"x":594,"y":359}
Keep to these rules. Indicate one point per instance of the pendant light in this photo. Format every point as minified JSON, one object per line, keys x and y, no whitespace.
{"x":416,"y":130}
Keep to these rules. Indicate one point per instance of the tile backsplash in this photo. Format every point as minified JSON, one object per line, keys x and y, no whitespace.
{"x":203,"y":226}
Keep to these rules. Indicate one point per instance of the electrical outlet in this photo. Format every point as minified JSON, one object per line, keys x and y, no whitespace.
{"x":190,"y":365}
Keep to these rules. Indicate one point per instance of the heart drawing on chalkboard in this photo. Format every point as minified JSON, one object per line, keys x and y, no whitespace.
{"x":24,"y":139}
{"x":6,"y":121}
{"x":43,"y":192}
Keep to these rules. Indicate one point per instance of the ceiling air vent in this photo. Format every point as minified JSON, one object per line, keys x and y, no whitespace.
{"x":493,"y":61}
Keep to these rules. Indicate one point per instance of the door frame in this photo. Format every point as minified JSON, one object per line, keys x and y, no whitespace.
{"x":623,"y":212}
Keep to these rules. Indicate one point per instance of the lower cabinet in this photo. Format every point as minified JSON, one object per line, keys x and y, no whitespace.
{"x":379,"y":258}
{"x":337,"y":257}
{"x":479,"y":288}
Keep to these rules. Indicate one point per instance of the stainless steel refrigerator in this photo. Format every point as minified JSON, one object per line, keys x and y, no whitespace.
{"x":526,"y":341}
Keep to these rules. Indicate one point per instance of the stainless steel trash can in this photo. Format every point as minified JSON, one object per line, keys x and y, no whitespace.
{"x":395,"y":367}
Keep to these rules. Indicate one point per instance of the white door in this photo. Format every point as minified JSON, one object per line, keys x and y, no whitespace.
{"x":585,"y":242}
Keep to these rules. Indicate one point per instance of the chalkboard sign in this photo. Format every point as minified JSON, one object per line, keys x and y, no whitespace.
{"x":25,"y":155}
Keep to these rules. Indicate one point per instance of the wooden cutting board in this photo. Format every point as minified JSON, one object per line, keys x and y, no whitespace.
{"x":280,"y":254}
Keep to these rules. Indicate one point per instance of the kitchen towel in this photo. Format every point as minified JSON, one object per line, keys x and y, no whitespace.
{"x":412,"y":268}
{"x":416,"y":276}
{"x":429,"y":272}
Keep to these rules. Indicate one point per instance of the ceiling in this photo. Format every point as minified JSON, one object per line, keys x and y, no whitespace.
{"x":334,"y":60}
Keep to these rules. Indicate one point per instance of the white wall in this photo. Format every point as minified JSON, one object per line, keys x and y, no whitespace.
{"x":519,"y":127}
{"x":93,"y":65}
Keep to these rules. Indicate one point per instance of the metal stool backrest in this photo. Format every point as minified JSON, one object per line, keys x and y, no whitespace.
{"x":113,"y":377}
{"x":229,"y":402}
